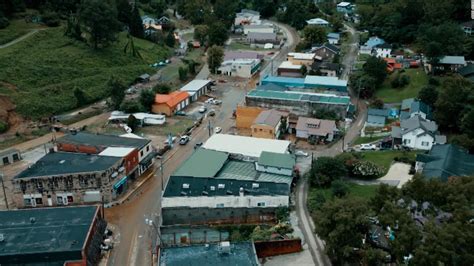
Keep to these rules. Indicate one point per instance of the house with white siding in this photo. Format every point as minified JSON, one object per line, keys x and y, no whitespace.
{"x":417,"y":133}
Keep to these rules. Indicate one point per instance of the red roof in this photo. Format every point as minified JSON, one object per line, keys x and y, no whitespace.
{"x":171,"y":99}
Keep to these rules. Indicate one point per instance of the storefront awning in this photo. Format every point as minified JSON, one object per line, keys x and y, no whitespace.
{"x":120,"y":182}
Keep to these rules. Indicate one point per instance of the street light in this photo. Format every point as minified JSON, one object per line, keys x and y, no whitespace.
{"x":4,"y":193}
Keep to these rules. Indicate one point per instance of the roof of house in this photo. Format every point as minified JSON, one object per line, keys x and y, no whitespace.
{"x":243,"y":170}
{"x":302,"y":56}
{"x":344,"y":4}
{"x":326,"y":65}
{"x":187,"y":186}
{"x":325,"y":81}
{"x":233,"y":55}
{"x":286,"y":81}
{"x":404,"y":115}
{"x":384,"y":46}
{"x":328,"y":46}
{"x":102,"y":140}
{"x":172,"y":99}
{"x":286,"y":161}
{"x":268,"y":117}
{"x":406,"y":103}
{"x":295,"y":96}
{"x":317,"y":21}
{"x":469,"y":24}
{"x":334,"y":35}
{"x":289,"y":65}
{"x":261,"y":35}
{"x":209,"y":254}
{"x":202,"y":163}
{"x":419,"y":106}
{"x":249,"y":11}
{"x":378,"y":112}
{"x":375,"y":119}
{"x":452,"y":60}
{"x":447,"y":160}
{"x":40,"y":234}
{"x":116,"y":151}
{"x":396,"y":132}
{"x":62,"y":163}
{"x":258,"y":26}
{"x":246,"y":146}
{"x":318,"y":127}
{"x":8,"y":152}
{"x":195,"y":85}
{"x":467,"y":70}
{"x":416,"y":122}
{"x":374,"y":41}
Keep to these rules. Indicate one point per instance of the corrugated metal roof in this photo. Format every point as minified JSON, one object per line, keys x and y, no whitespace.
{"x":241,"y":170}
{"x":452,"y":60}
{"x":102,"y":140}
{"x":294,"y":96}
{"x":325,"y":81}
{"x":195,"y":85}
{"x":202,"y":163}
{"x":116,"y":151}
{"x":286,"y":161}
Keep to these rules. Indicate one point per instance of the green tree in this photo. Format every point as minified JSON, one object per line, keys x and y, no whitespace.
{"x":162,"y":88}
{"x":376,"y":68}
{"x":73,"y":28}
{"x":314,"y":34}
{"x":159,"y":6}
{"x":200,"y":33}
{"x":170,"y":40}
{"x":217,"y":33}
{"x":467,"y":123}
{"x":130,"y":107}
{"x":3,"y":126}
{"x":325,"y":170}
{"x":316,"y":201}
{"x":136,"y":24}
{"x":100,"y":22}
{"x":324,"y":113}
{"x":183,"y":73}
{"x":304,"y":70}
{"x":195,"y":10}
{"x":339,"y":188}
{"x":429,"y":95}
{"x":116,"y":89}
{"x":80,"y":96}
{"x":124,"y":11}
{"x":225,"y":11}
{"x":147,"y":99}
{"x":343,"y":223}
{"x":383,"y":194}
{"x":215,"y":57}
{"x":132,"y":122}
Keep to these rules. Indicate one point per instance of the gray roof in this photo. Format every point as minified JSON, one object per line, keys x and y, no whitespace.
{"x":202,"y":163}
{"x":379,"y":112}
{"x":467,"y":70}
{"x":200,"y":186}
{"x":241,"y":254}
{"x":396,"y":132}
{"x":102,"y":140}
{"x":62,"y":163}
{"x":261,"y":36}
{"x":269,"y":117}
{"x":447,"y":160}
{"x":418,"y":122}
{"x":233,"y":55}
{"x":376,"y":120}
{"x":271,"y":87}
{"x":286,"y":161}
{"x":56,"y":235}
{"x":240,"y":170}
{"x":404,"y":115}
{"x":452,"y":60}
{"x":406,"y":104}
{"x":419,"y":106}
{"x":314,"y":126}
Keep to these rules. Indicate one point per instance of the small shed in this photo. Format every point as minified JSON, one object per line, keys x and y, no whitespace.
{"x":9,"y":156}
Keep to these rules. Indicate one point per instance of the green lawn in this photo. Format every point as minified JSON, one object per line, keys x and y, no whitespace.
{"x":359,"y":191}
{"x":361,"y":140}
{"x":385,"y":158}
{"x":234,"y":45}
{"x":17,"y":28}
{"x":176,"y":127}
{"x":363,"y":57}
{"x":418,"y":79}
{"x":41,"y":72}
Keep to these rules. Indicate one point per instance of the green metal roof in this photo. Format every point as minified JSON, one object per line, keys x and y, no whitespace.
{"x":51,"y":235}
{"x":202,"y":163}
{"x":286,"y":161}
{"x":240,"y":170}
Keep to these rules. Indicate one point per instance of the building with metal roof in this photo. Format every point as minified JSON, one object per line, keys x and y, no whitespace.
{"x":241,"y":170}
{"x":196,"y":88}
{"x":276,"y":163}
{"x":224,"y":253}
{"x":309,"y":82}
{"x":245,"y":146}
{"x":445,"y":161}
{"x":51,"y":236}
{"x":203,"y":163}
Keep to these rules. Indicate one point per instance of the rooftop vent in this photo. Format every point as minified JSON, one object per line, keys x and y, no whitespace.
{"x":255,"y":185}
{"x":213,"y":188}
{"x":221,"y":186}
{"x":205,"y":193}
{"x":229,"y":192}
{"x":183,"y":193}
{"x":224,"y":248}
{"x":62,"y":161}
{"x":2,"y":238}
{"x":32,"y":220}
{"x":186,"y":186}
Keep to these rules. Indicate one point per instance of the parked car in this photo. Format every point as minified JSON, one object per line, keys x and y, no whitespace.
{"x":301,"y":153}
{"x":202,"y":109}
{"x":365,"y":147}
{"x":217,"y":130}
{"x":211,"y":112}
{"x":184,"y":140}
{"x":167,"y":141}
{"x":197,"y":145}
{"x":216,"y":102}
{"x":162,"y":151}
{"x":181,"y":113}
{"x":131,"y":90}
{"x":210,"y":100}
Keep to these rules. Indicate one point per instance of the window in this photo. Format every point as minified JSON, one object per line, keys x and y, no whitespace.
{"x":148,"y":148}
{"x":16,"y":157}
{"x":425,"y":143}
{"x":141,"y":153}
{"x":27,"y":202}
{"x":59,"y":200}
{"x":5,"y":160}
{"x":70,"y":199}
{"x":220,"y":205}
{"x":261,"y":204}
{"x":39,"y":201}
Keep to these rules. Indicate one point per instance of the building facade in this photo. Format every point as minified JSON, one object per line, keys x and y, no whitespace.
{"x":243,"y":68}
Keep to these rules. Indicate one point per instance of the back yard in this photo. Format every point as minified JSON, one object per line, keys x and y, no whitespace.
{"x":418,"y":79}
{"x":385,"y":158}
{"x":41,"y":72}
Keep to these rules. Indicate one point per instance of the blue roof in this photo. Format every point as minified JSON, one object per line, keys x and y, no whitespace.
{"x":374,"y":41}
{"x":379,"y":112}
{"x":334,"y":35}
{"x":284,"y":81}
{"x":271,"y":87}
{"x":418,"y":106}
{"x":375,"y":119}
{"x":320,"y":82}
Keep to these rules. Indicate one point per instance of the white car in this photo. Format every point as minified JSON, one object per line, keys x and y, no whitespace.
{"x":210,"y":100}
{"x":217,"y":130}
{"x":301,"y":153}
{"x":365,"y":147}
{"x":202,"y":109}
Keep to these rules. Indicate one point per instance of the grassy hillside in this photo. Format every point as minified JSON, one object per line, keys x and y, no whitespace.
{"x":41,"y":72}
{"x":418,"y":79}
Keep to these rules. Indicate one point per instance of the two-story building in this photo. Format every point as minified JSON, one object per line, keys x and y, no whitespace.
{"x":417,"y":133}
{"x":268,"y":124}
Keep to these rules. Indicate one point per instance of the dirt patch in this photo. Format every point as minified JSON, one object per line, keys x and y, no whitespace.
{"x":15,"y":121}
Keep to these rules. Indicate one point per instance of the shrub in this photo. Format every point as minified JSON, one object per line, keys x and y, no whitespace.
{"x":316,"y":201}
{"x":131,"y":106}
{"x":339,"y":188}
{"x":367,"y":169}
{"x":3,"y":127}
{"x":282,"y":213}
{"x":404,"y":80}
{"x":51,"y":19}
{"x":4,"y":22}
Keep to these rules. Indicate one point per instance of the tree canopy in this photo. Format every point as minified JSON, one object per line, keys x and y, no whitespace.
{"x":215,"y":56}
{"x":100,"y":22}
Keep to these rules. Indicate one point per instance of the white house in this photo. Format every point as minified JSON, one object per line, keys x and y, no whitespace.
{"x":276,"y":163}
{"x":244,"y":68}
{"x":318,"y":22}
{"x":417,"y":133}
{"x":345,"y":7}
{"x":383,"y":50}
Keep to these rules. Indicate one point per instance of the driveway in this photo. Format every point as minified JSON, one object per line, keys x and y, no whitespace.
{"x":397,"y":174}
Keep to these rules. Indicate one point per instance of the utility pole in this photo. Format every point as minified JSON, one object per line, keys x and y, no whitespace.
{"x":209,"y":127}
{"x":4,"y":193}
{"x":161,"y":170}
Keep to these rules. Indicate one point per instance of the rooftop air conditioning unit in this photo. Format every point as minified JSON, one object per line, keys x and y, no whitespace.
{"x":224,"y":248}
{"x":255,"y":185}
{"x":186,"y":186}
{"x":221,"y":186}
{"x":213,"y":188}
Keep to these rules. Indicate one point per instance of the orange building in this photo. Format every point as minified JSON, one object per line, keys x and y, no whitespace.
{"x":245,"y":115}
{"x":169,"y":104}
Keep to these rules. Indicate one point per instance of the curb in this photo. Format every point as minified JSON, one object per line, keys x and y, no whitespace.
{"x":131,"y":192}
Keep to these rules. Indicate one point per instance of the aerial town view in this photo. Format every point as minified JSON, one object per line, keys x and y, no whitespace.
{"x":236,"y":132}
